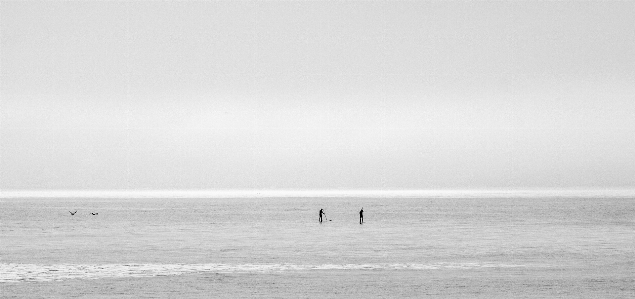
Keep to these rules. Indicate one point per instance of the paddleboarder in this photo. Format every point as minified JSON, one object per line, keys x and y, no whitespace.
{"x":322,"y":213}
{"x":361,"y":216}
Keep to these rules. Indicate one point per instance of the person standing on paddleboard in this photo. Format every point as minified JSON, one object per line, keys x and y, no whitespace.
{"x":322,"y":212}
{"x":361,"y":216}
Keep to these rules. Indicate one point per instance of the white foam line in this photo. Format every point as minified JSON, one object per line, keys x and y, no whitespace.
{"x":55,"y":272}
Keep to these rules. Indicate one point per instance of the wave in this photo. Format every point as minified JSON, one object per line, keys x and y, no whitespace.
{"x":57,"y":272}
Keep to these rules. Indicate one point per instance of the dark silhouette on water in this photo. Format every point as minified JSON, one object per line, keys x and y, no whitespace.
{"x":322,"y":212}
{"x":72,"y":213}
{"x":94,"y":213}
{"x":361,"y":216}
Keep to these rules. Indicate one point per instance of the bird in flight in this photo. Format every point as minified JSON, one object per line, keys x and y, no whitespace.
{"x":72,"y":213}
{"x":94,"y":214}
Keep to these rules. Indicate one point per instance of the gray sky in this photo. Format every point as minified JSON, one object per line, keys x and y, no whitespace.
{"x":317,"y":95}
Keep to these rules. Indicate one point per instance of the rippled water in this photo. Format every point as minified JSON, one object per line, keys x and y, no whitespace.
{"x":591,"y":242}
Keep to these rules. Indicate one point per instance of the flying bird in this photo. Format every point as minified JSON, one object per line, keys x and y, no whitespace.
{"x":94,"y":213}
{"x":72,"y":213}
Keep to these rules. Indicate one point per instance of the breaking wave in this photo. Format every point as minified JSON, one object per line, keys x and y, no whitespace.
{"x":56,"y":272}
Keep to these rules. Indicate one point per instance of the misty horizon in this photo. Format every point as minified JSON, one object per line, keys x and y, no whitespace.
{"x":316,"y":95}
{"x":473,"y":193}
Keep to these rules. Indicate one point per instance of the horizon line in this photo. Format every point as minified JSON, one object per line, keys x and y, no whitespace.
{"x":321,"y":193}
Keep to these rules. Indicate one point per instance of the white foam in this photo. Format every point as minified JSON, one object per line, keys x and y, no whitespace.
{"x":56,"y":272}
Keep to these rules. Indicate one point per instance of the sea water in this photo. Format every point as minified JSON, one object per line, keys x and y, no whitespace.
{"x":275,"y":247}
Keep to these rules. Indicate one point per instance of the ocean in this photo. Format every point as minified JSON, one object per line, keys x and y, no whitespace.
{"x":553,"y":247}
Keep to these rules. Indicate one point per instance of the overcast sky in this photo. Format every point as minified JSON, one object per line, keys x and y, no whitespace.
{"x":317,"y":95}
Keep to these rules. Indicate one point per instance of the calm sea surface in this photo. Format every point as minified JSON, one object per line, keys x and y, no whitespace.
{"x":191,"y":248}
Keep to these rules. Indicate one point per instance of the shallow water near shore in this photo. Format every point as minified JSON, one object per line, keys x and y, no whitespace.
{"x":275,"y":247}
